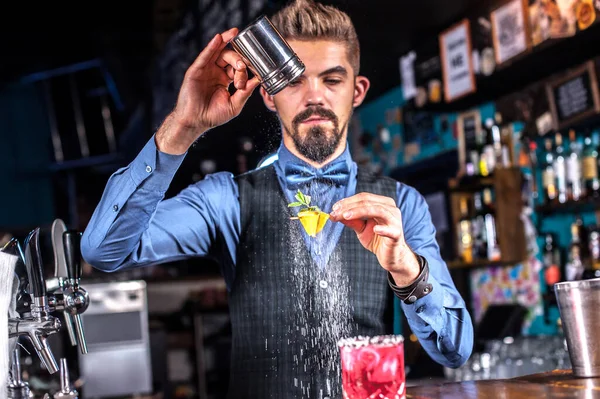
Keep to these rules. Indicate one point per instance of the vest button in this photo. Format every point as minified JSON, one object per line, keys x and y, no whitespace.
{"x":323,"y":284}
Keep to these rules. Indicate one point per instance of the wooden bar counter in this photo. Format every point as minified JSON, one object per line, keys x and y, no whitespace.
{"x":555,"y":384}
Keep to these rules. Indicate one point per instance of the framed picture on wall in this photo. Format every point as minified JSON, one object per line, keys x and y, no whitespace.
{"x":510,"y":30}
{"x":574,"y":96}
{"x":457,"y":63}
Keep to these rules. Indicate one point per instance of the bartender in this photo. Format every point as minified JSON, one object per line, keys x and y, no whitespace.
{"x":291,"y":296}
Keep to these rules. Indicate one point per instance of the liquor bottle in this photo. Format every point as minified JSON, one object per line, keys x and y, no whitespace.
{"x":487,"y":161}
{"x":478,"y":229}
{"x":590,"y":167}
{"x":493,"y":249}
{"x":593,"y":269}
{"x":574,"y":177}
{"x":497,"y":139}
{"x":465,"y":233}
{"x":560,"y":169}
{"x":552,"y":262}
{"x":548,"y":175}
{"x":581,"y":234}
{"x":574,"y":267}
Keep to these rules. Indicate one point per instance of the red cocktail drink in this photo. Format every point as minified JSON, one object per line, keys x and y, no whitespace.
{"x":373,"y":367}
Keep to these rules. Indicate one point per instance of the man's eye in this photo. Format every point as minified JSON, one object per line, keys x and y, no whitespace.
{"x":333,"y":81}
{"x":294,"y":83}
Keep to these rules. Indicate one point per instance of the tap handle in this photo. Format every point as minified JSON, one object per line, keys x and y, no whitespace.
{"x":60,"y":267}
{"x":72,"y":241}
{"x":33,"y":262}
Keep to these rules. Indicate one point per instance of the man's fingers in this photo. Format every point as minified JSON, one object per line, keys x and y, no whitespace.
{"x":387,"y":231}
{"x":212,"y":50}
{"x":229,"y":34}
{"x":230,"y":57}
{"x":226,"y":36}
{"x":357,"y":225}
{"x":364,"y":199}
{"x":205,"y":56}
{"x":230,"y":72}
{"x":372,"y":211}
{"x":240,"y":79}
{"x":239,"y":98}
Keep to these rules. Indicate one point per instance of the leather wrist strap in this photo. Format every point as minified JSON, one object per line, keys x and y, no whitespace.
{"x":418,"y":289}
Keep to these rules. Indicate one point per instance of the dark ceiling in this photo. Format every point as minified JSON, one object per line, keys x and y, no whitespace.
{"x":49,"y":34}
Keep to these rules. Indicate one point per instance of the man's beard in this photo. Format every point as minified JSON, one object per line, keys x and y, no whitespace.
{"x":317,"y":145}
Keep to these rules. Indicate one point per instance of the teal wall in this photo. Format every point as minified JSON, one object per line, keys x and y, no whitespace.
{"x":373,"y":114}
{"x":26,"y":198}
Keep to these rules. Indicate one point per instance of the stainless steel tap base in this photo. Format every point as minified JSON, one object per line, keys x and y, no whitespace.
{"x":268,"y":55}
{"x":18,"y":392}
{"x":578,"y":304}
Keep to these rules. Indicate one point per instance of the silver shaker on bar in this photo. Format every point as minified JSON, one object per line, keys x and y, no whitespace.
{"x":268,"y":55}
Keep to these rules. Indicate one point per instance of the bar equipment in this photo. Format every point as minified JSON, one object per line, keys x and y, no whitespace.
{"x":578,"y":303}
{"x":38,"y":324}
{"x":268,"y":55}
{"x":37,"y":299}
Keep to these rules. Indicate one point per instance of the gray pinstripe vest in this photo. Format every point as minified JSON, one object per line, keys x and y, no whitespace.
{"x":286,"y":313}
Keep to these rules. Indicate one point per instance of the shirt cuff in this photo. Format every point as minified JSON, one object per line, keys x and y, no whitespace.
{"x":427,"y":312}
{"x":153,"y":169}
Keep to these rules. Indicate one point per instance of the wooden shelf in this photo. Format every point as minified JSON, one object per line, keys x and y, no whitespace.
{"x":478,"y":264}
{"x":584,"y":205}
{"x":470,"y":184}
{"x":534,"y":66}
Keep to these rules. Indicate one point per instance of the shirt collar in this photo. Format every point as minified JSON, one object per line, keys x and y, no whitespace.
{"x":284,"y":155}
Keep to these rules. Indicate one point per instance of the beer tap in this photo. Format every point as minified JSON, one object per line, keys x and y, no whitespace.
{"x":56,"y":284}
{"x":76,"y":299}
{"x":39,"y":324}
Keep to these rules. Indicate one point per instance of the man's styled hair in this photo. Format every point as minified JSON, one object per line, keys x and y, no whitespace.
{"x":308,"y":20}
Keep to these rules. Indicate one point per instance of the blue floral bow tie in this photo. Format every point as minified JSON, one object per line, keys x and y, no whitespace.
{"x":297,"y":175}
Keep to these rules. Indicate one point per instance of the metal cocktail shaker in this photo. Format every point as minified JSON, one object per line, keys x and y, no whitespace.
{"x":578,"y":303}
{"x":268,"y":55}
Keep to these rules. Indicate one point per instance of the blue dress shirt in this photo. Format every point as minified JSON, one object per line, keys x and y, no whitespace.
{"x":133,"y":226}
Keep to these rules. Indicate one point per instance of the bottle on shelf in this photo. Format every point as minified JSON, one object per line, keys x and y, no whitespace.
{"x":548,"y":175}
{"x":560,"y":169}
{"x":574,"y":175}
{"x":487,"y":160}
{"x":574,"y":267}
{"x":497,"y":139}
{"x":503,"y":145}
{"x":493,"y":249}
{"x":590,"y":167}
{"x":465,"y":233}
{"x":478,"y":229}
{"x":593,"y":269}
{"x":552,"y":262}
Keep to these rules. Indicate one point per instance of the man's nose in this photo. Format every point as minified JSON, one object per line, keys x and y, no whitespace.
{"x":314,"y":94}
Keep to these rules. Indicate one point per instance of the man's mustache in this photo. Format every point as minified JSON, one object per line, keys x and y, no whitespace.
{"x":318,"y":111}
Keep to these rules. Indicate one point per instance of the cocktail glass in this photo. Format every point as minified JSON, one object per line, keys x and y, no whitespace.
{"x":373,"y":367}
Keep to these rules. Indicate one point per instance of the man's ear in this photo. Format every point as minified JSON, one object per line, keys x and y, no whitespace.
{"x":268,"y":99}
{"x":361,"y":86}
